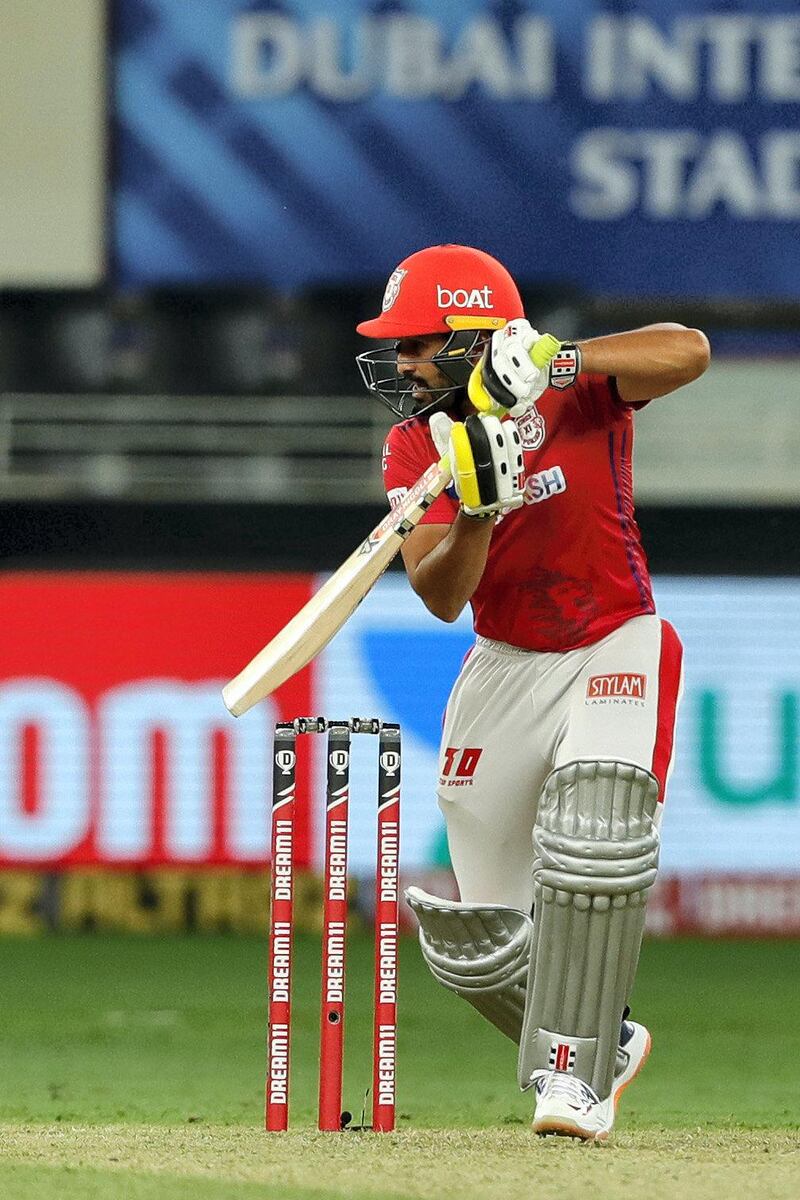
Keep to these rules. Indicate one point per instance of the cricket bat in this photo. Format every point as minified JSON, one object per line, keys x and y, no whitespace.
{"x":326,"y":612}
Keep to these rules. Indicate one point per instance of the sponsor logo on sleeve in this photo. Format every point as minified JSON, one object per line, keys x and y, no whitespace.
{"x":623,"y":687}
{"x":395,"y":496}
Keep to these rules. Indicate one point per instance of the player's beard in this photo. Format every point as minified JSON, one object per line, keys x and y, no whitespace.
{"x":454,"y":402}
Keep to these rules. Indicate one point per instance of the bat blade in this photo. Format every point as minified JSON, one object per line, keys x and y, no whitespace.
{"x":310,"y":630}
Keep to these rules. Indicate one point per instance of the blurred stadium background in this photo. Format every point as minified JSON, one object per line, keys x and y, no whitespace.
{"x":197,"y":203}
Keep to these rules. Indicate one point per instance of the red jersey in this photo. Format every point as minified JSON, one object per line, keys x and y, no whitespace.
{"x":568,"y":567}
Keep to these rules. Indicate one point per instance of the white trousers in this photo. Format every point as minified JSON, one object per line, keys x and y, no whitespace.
{"x":515,"y":715}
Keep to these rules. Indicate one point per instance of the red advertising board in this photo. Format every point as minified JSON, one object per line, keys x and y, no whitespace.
{"x":115,"y":746}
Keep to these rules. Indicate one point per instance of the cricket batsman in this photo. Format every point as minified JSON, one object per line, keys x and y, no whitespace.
{"x":558,"y":733}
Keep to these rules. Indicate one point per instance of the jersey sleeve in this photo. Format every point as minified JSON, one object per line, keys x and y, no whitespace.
{"x":599,"y":401}
{"x":406,"y":455}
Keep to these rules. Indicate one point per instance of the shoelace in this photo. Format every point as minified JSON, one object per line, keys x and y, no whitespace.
{"x":559,"y":1083}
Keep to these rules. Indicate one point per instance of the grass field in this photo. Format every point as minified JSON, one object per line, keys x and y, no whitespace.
{"x":134,"y":1068}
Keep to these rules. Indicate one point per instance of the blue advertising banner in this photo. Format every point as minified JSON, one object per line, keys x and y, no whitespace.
{"x":633,"y":150}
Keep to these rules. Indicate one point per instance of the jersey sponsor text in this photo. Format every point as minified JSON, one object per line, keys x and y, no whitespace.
{"x":624,"y":687}
{"x":544,"y":484}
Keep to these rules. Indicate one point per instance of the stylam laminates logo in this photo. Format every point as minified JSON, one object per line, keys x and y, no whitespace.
{"x":622,"y":687}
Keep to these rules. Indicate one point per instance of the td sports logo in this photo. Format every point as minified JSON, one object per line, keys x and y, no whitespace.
{"x":459,"y":765}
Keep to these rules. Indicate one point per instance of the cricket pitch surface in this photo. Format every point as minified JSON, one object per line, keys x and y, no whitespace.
{"x":132,"y":1068}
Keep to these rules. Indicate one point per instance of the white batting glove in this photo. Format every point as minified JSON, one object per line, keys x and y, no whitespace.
{"x":515,"y":370}
{"x":486,"y":460}
{"x":511,"y":349}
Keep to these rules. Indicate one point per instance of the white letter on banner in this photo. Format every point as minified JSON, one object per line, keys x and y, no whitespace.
{"x":607,"y":185}
{"x":651,"y":58}
{"x":413,"y":57}
{"x":328,"y":77}
{"x":188,"y":715}
{"x":536,"y":53}
{"x":480,"y":56}
{"x":781,"y":156}
{"x":61,"y":818}
{"x":780,"y":59}
{"x":729,"y":40}
{"x":666,"y":156}
{"x":259,"y":36}
{"x":603,"y":81}
{"x":724,"y":175}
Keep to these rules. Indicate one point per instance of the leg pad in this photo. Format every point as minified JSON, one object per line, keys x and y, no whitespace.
{"x":479,"y":951}
{"x":595,"y":858}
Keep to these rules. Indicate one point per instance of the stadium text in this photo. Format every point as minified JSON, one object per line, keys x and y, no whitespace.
{"x":681,"y":174}
{"x":727,"y":58}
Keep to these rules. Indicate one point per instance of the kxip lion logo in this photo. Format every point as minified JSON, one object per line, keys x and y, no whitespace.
{"x":393,"y":288}
{"x":532,"y":429}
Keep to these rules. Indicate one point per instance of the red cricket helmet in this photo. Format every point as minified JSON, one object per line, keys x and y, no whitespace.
{"x":442,"y":289}
{"x":455,"y":290}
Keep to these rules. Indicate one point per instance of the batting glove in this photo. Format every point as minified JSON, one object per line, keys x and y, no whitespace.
{"x":486,"y":460}
{"x":514,"y":370}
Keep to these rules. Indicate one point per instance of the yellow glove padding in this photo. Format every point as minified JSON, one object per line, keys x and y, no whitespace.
{"x":462,"y":461}
{"x":486,"y":461}
{"x":513,"y":371}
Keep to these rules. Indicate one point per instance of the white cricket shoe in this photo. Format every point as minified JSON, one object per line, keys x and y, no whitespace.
{"x":568,"y":1106}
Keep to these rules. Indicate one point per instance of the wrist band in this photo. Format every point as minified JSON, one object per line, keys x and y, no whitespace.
{"x":565,"y":367}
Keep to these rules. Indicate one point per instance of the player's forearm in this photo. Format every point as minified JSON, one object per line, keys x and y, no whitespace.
{"x":446,"y":578}
{"x":648,"y":362}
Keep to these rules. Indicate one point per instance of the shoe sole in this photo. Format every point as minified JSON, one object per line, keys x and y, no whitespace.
{"x":564,"y":1128}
